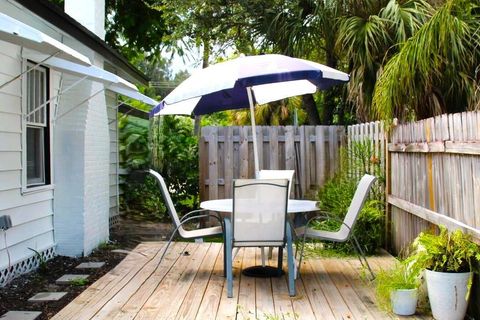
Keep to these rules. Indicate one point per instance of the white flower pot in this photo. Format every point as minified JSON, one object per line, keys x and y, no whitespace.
{"x":447,"y":294}
{"x":404,"y":301}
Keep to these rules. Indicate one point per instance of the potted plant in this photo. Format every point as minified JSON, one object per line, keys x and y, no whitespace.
{"x":449,"y":259}
{"x":397,"y":288}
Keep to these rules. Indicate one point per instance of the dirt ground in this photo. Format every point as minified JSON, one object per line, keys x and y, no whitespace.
{"x":125,"y":235}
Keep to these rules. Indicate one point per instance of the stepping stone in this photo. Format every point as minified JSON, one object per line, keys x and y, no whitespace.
{"x":122,"y":251}
{"x":67,"y":278}
{"x":90,"y":265}
{"x":20,"y":315}
{"x":47,"y":296}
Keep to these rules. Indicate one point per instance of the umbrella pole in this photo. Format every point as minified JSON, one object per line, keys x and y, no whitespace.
{"x":254,"y":131}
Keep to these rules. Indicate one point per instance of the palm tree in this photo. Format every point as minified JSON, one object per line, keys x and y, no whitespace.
{"x":436,"y":70}
{"x":307,"y":29}
{"x":272,"y":114}
{"x":369,"y":35}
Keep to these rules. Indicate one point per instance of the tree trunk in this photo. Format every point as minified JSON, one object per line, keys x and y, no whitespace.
{"x":313,"y":118}
{"x":329,"y":104}
{"x":206,"y":56}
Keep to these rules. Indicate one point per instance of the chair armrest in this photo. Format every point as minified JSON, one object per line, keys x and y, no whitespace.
{"x":183,"y":221}
{"x":326,"y":217}
{"x":187,"y":215}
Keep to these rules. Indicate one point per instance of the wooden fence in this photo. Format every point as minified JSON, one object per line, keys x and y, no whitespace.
{"x":435,"y":176}
{"x":226,"y":153}
{"x":431,"y":167}
{"x":366,"y":148}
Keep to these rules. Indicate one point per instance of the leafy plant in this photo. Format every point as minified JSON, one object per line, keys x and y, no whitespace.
{"x":133,"y":139}
{"x":78,"y":282}
{"x":42,"y":262}
{"x":447,"y":251}
{"x":175,"y":156}
{"x":403,"y":276}
{"x":142,"y":199}
{"x":108,"y":245}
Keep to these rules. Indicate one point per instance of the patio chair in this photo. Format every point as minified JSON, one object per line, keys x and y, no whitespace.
{"x":276,"y":174}
{"x":188,"y":217}
{"x":345,"y":232}
{"x":259,"y":219}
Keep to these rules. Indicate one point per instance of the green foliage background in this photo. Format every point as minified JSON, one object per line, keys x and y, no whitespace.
{"x":175,"y":156}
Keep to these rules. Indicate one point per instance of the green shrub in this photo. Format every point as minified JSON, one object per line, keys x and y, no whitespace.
{"x":337,"y":193}
{"x":142,"y":199}
{"x":175,"y":157}
{"x":133,"y":140}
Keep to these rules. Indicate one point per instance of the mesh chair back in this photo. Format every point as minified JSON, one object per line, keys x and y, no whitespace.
{"x":363,"y":188}
{"x":278,"y":174}
{"x":168,"y":200}
{"x":259,"y":212}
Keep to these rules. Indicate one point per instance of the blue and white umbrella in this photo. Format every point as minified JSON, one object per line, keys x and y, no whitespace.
{"x":246,"y":81}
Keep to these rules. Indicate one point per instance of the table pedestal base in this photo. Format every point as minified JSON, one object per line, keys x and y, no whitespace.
{"x":262,"y":272}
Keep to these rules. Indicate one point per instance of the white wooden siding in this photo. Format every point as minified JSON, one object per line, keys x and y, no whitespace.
{"x":10,"y":141}
{"x":31,"y":213}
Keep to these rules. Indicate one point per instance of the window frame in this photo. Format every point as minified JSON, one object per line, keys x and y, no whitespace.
{"x":45,"y":181}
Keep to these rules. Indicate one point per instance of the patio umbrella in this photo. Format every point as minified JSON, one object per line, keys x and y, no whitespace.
{"x":244,"y":82}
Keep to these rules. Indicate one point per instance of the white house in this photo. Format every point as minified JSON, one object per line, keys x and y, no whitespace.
{"x":58,"y":130}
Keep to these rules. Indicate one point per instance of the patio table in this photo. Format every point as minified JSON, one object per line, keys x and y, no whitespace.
{"x":226,"y":206}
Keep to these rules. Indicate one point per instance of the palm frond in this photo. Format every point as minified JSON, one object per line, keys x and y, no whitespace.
{"x":434,"y":70}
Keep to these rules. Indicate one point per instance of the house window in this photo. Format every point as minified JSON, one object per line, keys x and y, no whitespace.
{"x":37,"y":127}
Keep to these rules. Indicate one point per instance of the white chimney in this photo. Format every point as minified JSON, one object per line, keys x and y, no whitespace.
{"x":90,"y":13}
{"x":82,"y":150}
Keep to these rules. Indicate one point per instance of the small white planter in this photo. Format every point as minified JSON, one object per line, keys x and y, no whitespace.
{"x":447,"y":292}
{"x":404,"y":301}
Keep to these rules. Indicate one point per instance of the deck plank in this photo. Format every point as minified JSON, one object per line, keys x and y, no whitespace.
{"x":281,"y":299}
{"x":315,"y":293}
{"x":87,"y":304}
{"x":301,"y":304}
{"x":193,"y":299}
{"x":362,"y":287}
{"x":335,"y":300}
{"x":263,"y":290}
{"x":211,"y":297}
{"x":144,"y":280}
{"x":168,"y":296}
{"x":136,"y":301}
{"x":355,"y":304}
{"x":193,"y":287}
{"x":228,"y":306}
{"x":246,"y":295}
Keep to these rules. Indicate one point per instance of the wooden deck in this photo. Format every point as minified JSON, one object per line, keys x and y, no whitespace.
{"x":189,"y":284}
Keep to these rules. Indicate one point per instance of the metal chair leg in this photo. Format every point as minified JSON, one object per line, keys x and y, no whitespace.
{"x":291,"y":262}
{"x":297,"y":271}
{"x":262,"y":250}
{"x":228,"y":245}
{"x":280,"y":261}
{"x":361,"y":255}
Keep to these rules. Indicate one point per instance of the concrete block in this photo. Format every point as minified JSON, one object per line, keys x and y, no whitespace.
{"x":20,"y":315}
{"x":67,"y":278}
{"x":90,"y":265}
{"x":47,"y":296}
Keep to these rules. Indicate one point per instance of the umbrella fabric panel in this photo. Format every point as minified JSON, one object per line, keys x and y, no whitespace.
{"x":254,"y":70}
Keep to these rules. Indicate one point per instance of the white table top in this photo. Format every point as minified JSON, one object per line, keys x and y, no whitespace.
{"x":226,"y":205}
